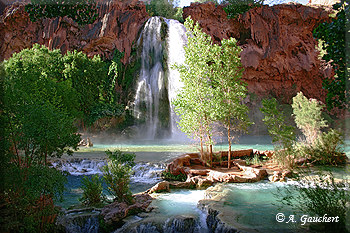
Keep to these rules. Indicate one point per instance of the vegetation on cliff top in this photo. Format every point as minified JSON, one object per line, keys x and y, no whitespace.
{"x":165,"y":8}
{"x":81,"y":11}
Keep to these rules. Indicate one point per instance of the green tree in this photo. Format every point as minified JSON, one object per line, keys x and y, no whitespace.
{"x":334,"y":35}
{"x":327,"y":149}
{"x":229,"y":89}
{"x":81,"y":11}
{"x":308,"y":117}
{"x":281,"y":133}
{"x":27,"y":201}
{"x":117,"y":175}
{"x":40,"y":106}
{"x":194,"y":102}
{"x":86,"y":76}
{"x":39,"y":110}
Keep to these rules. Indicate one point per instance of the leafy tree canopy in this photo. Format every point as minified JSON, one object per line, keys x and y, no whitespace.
{"x":274,"y":119}
{"x":40,"y":105}
{"x":333,"y":34}
{"x":81,"y":11}
{"x":86,"y":76}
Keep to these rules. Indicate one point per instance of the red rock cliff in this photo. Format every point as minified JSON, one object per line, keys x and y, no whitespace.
{"x":116,"y":28}
{"x":279,"y":54}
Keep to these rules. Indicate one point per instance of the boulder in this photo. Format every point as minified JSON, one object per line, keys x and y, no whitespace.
{"x":159,"y":188}
{"x":176,"y":167}
{"x":197,"y":172}
{"x":240,"y":162}
{"x":276,"y":176}
{"x":249,"y":175}
{"x":255,"y":173}
{"x":117,"y":211}
{"x":203,"y":183}
{"x":216,"y":176}
{"x":200,"y":182}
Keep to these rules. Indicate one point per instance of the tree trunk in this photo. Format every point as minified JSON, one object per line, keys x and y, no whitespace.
{"x":229,"y":145}
{"x":202,"y":152}
{"x":210,"y":151}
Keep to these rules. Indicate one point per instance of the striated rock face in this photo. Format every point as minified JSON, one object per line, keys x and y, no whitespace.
{"x":279,"y":54}
{"x":116,"y":28}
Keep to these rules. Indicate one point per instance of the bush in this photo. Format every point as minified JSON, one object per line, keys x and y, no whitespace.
{"x":27,"y":203}
{"x":117,"y":175}
{"x":81,"y":11}
{"x":319,"y":195}
{"x":92,"y":190}
{"x":327,"y":149}
{"x":254,"y":161}
{"x":169,"y":176}
{"x":308,"y":116}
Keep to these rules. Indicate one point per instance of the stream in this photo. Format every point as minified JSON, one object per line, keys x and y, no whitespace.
{"x":250,"y":207}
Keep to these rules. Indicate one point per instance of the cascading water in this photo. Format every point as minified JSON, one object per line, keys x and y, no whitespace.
{"x":176,"y":42}
{"x":162,"y":42}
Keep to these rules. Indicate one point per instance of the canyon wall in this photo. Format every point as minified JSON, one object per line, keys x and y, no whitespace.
{"x":279,"y":54}
{"x":117,"y":27}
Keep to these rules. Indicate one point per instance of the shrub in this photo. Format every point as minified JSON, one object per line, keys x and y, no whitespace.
{"x":319,"y":195}
{"x":327,"y":149}
{"x":117,"y":175}
{"x":81,"y":11}
{"x":27,"y":203}
{"x":308,"y":116}
{"x":92,"y":190}
{"x":254,"y":161}
{"x":169,"y":176}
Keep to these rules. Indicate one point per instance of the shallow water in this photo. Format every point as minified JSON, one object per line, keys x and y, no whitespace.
{"x":253,"y":206}
{"x":179,"y":202}
{"x":256,"y":206}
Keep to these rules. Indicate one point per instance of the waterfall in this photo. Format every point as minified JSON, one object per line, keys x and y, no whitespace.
{"x":162,"y":42}
{"x":176,"y":42}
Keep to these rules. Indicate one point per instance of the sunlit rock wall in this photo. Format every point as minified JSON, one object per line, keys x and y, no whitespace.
{"x":117,"y":27}
{"x":279,"y":54}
